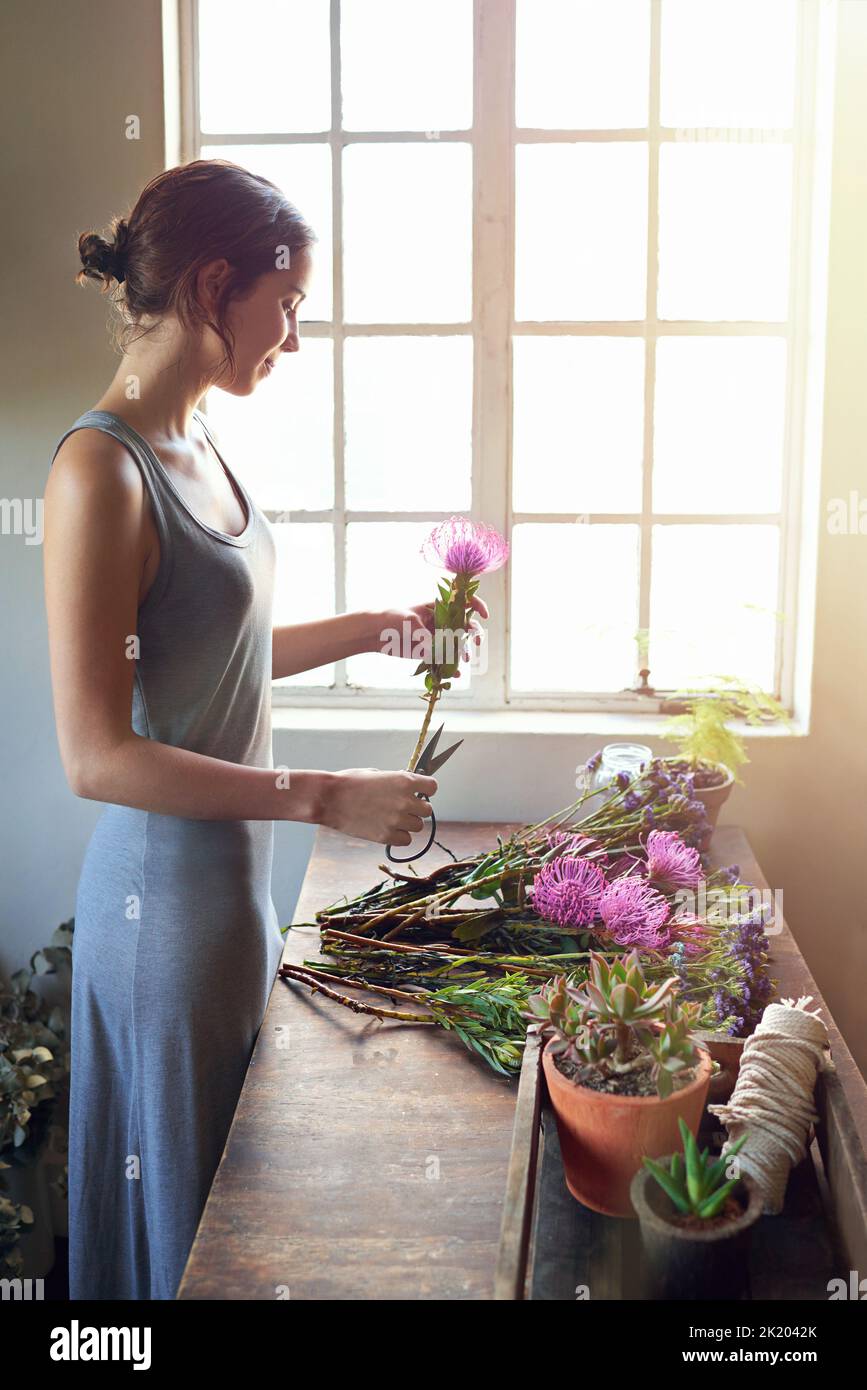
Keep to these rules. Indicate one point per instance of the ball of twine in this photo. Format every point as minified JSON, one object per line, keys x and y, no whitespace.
{"x":772,"y":1102}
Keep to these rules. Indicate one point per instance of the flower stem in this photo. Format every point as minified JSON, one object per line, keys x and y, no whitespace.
{"x":455,"y":612}
{"x":313,"y":979}
{"x":417,"y":751}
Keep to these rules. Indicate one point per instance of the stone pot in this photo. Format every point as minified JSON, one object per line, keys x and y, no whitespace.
{"x":603,"y":1137}
{"x":687,"y":1264}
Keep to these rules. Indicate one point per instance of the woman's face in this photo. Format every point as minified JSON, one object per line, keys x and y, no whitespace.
{"x":265,"y":324}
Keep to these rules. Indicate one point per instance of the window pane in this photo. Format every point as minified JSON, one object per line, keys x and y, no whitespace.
{"x":282,"y":439}
{"x":581,"y":231}
{"x":303,"y":173}
{"x":585,"y":641}
{"x":384,"y":566}
{"x":304,"y":584}
{"x":409,"y":415}
{"x":407,"y":64}
{"x":713,"y":597}
{"x":579,"y":424}
{"x":718,"y":424}
{"x":265,"y":68}
{"x":728,"y":63}
{"x":407,"y":213}
{"x":582,"y":64}
{"x":724,"y":214}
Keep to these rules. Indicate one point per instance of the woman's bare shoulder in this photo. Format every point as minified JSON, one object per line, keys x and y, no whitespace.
{"x":90,"y":463}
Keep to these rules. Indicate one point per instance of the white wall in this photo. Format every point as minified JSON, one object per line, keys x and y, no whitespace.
{"x":72,"y":73}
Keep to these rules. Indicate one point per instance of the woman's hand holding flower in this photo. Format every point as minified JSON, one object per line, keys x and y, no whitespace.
{"x":409,"y":632}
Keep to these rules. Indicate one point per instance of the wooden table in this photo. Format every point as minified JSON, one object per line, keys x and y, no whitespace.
{"x":368,"y":1160}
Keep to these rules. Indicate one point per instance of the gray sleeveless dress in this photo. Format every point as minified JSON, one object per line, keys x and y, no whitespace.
{"x":176,"y":942}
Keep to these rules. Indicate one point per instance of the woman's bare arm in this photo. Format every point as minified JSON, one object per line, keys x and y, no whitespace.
{"x":95,"y":552}
{"x":95,"y":548}
{"x":304,"y":646}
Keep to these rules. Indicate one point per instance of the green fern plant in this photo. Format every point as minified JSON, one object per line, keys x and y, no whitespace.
{"x":702,"y":733}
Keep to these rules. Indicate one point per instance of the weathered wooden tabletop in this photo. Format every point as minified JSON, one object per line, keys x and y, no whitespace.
{"x":368,"y":1159}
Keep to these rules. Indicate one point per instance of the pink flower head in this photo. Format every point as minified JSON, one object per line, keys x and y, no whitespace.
{"x":672,"y":864}
{"x":634,"y":913}
{"x":692,"y":932}
{"x":567,"y":891}
{"x":571,"y":842}
{"x":465,"y":547}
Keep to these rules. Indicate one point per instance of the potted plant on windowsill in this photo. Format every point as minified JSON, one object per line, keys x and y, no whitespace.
{"x":622,"y":1068}
{"x":710,"y":750}
{"x":697,"y":1215}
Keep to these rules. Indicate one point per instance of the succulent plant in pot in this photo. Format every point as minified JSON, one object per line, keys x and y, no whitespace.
{"x":708,"y":748}
{"x":622,"y":1067}
{"x":697,"y":1213}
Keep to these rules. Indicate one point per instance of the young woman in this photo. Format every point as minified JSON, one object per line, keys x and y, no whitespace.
{"x":158,"y":576}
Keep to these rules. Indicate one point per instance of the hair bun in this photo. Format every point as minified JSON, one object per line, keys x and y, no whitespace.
{"x":102,"y":260}
{"x":121,"y":236}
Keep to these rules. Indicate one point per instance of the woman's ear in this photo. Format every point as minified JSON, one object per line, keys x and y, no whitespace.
{"x":211,"y":281}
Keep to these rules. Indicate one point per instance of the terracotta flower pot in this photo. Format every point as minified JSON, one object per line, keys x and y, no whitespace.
{"x":712,"y":797}
{"x":727,"y":1051}
{"x":689,"y":1264}
{"x":604,"y":1137}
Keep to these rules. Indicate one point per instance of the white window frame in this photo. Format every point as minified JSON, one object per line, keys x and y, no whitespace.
{"x":493,"y":140}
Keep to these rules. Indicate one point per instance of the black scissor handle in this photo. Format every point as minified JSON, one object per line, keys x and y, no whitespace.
{"x":395,"y":859}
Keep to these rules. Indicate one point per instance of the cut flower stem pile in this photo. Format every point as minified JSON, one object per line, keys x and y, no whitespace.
{"x":422,"y":952}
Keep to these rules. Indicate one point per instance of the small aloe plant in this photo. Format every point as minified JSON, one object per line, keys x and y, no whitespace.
{"x":616,"y":1020}
{"x":693,"y":1181}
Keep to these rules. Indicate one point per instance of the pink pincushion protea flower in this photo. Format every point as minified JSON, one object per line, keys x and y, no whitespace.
{"x":671,"y":864}
{"x":634,"y":913}
{"x":465,"y":547}
{"x":567,"y":891}
{"x":571,"y":842}
{"x":692,"y":932}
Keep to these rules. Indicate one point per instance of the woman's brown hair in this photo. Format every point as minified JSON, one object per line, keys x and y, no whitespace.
{"x":185,"y":217}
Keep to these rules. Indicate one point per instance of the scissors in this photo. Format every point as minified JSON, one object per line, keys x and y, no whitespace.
{"x":427,"y":766}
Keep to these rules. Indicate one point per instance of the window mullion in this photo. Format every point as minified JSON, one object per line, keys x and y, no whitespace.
{"x":493,"y":200}
{"x":645,"y":538}
{"x":798,"y":325}
{"x":336,"y":143}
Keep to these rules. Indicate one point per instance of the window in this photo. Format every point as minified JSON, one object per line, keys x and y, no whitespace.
{"x":560,"y":286}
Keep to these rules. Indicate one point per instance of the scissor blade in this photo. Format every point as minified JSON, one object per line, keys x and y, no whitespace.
{"x":430,"y":747}
{"x":432,"y":764}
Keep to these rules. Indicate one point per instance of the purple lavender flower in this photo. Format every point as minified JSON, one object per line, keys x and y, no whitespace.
{"x":465,"y":547}
{"x":671,"y":864}
{"x":567,"y":891}
{"x":634,"y":913}
{"x":744,"y":985}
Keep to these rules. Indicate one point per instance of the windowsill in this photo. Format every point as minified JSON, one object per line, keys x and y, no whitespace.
{"x":322,"y":719}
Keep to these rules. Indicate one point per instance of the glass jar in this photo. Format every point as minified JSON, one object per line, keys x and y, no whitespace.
{"x":616,"y":757}
{"x":621,"y":757}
